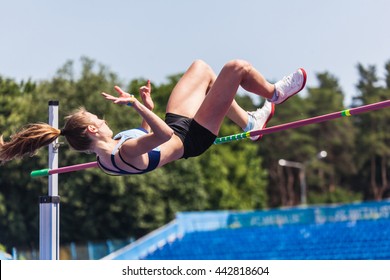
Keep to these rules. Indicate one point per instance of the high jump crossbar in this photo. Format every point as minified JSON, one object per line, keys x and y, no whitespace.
{"x":244,"y":135}
{"x":304,"y":122}
{"x":71,"y":168}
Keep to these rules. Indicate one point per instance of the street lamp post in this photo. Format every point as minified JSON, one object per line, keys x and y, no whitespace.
{"x":302,"y":173}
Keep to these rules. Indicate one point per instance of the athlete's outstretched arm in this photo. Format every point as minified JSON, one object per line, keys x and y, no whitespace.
{"x":161,"y":131}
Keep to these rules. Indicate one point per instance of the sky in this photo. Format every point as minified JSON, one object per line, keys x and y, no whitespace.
{"x":154,"y":39}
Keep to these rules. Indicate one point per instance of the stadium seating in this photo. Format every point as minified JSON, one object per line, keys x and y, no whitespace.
{"x":347,"y":232}
{"x":342,"y":240}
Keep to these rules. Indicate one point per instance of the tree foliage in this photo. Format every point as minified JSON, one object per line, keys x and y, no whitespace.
{"x":240,"y":175}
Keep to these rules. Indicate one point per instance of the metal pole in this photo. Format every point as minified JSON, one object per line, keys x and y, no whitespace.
{"x":302,"y":178}
{"x":302,"y":172}
{"x":49,"y":206}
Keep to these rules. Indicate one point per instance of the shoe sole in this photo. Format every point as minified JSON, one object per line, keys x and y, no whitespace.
{"x":303,"y":85}
{"x":265,"y":124}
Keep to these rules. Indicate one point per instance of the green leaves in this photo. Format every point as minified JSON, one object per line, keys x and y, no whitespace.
{"x":237,"y":175}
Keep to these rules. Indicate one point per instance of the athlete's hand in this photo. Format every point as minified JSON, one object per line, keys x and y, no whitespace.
{"x":146,"y":95}
{"x":123,"y":98}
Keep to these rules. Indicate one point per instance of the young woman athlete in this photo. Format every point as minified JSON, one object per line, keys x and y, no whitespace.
{"x":194,"y":114}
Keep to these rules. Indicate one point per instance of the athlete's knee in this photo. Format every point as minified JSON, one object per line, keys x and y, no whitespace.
{"x":202,"y":67}
{"x":238,"y":66}
{"x":198,"y":63}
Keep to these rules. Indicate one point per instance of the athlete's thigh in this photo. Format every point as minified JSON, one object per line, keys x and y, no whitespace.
{"x":218,"y":101}
{"x":190,"y":91}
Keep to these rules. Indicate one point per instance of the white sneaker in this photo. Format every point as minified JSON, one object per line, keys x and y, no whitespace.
{"x":290,"y":85}
{"x":262,"y":116}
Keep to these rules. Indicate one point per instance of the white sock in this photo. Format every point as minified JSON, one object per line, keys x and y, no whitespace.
{"x":250,"y":124}
{"x":275,"y":97}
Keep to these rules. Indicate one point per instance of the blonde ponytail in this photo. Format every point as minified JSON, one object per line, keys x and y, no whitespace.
{"x":27,"y":141}
{"x":34,"y":136}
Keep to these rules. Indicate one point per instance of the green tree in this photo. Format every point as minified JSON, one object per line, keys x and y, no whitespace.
{"x":336,"y":137}
{"x":303,"y":144}
{"x":291,"y":144}
{"x":18,"y":220}
{"x":374,"y":138}
{"x":95,"y":206}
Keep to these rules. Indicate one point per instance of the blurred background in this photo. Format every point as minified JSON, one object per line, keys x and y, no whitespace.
{"x":70,"y":51}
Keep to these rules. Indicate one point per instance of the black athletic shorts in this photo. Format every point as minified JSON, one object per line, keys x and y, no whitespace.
{"x":196,"y":138}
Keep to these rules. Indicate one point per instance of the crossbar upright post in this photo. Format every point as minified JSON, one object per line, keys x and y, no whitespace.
{"x":49,"y":206}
